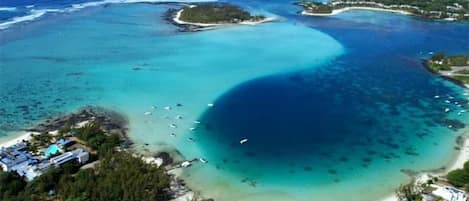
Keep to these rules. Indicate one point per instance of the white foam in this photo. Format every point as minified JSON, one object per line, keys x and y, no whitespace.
{"x":7,"y":8}
{"x":34,"y":14}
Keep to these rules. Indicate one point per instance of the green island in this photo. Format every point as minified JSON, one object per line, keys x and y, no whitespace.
{"x":455,"y":67}
{"x":107,"y":169}
{"x":437,"y":9}
{"x":217,"y":14}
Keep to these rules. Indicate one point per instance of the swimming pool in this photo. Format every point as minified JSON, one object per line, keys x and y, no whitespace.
{"x":51,"y":150}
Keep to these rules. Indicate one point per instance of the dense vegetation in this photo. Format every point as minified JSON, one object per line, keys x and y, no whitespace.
{"x":117,"y":176}
{"x":96,"y":138}
{"x":216,"y":13}
{"x":431,"y":9}
{"x":316,"y":7}
{"x":460,"y":177}
{"x":441,"y":62}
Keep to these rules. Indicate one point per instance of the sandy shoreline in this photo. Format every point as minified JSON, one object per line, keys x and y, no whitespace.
{"x":457,"y":163}
{"x":177,"y":20}
{"x":15,"y":138}
{"x":338,"y":11}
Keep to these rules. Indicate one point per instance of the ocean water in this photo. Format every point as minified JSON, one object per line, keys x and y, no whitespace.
{"x":334,"y":108}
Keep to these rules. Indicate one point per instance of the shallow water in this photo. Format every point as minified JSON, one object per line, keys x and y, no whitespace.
{"x":329,"y":105}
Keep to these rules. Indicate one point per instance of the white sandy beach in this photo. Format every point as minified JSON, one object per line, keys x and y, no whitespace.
{"x":13,"y":139}
{"x":461,"y":157}
{"x":338,"y":11}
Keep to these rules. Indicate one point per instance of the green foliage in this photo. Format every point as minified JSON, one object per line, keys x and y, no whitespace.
{"x":11,"y":185}
{"x":438,"y":57}
{"x":439,"y":67}
{"x":119,"y":176}
{"x":408,"y":192}
{"x":216,"y":13}
{"x":97,"y":139}
{"x":431,"y":9}
{"x":459,"y":177}
{"x":458,"y":60}
{"x":316,"y":7}
{"x":463,"y":79}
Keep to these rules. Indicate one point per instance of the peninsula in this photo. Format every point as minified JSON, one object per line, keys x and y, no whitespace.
{"x":457,"y":10}
{"x":206,"y":16}
{"x":86,"y":156}
{"x":455,"y":68}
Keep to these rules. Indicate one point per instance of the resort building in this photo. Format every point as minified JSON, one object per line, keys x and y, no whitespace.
{"x":449,"y":193}
{"x":16,"y":158}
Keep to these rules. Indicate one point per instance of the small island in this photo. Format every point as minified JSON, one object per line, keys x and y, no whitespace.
{"x":206,"y":16}
{"x":455,"y":68}
{"x":453,"y":10}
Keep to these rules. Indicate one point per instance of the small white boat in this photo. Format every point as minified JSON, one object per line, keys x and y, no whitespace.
{"x":437,"y":97}
{"x":173,"y":125}
{"x":203,"y":160}
{"x":178,"y":117}
{"x":447,"y":110}
{"x":153,"y":107}
{"x":147,"y":113}
{"x":172,"y":135}
{"x":450,"y":126}
{"x":186,"y":164}
{"x":191,"y":139}
{"x":192,"y":128}
{"x":196,"y":122}
{"x":168,"y":108}
{"x":210,"y":105}
{"x":447,"y":101}
{"x":242,"y":141}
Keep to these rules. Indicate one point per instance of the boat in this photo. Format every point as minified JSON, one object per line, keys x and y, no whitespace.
{"x":153,"y":107}
{"x":167,"y":108}
{"x":447,"y":101}
{"x":147,"y":113}
{"x":178,"y":116}
{"x":196,"y":122}
{"x":192,"y":128}
{"x":210,"y":105}
{"x":447,"y":110}
{"x":242,"y":141}
{"x":437,"y":97}
{"x":191,"y":139}
{"x":203,"y":160}
{"x":173,"y":125}
{"x":172,"y":135}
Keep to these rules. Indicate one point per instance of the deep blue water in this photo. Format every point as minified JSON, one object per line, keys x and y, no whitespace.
{"x":371,"y":110}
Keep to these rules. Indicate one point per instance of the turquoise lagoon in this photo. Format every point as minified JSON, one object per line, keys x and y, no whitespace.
{"x":293,"y":75}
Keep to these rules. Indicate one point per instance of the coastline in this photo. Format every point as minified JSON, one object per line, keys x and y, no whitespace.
{"x":204,"y":26}
{"x":12,"y":139}
{"x":341,"y":10}
{"x":457,"y":162}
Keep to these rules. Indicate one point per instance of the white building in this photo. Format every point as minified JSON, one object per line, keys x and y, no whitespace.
{"x":449,"y":193}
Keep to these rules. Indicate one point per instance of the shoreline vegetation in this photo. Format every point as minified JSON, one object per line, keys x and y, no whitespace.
{"x":199,"y":17}
{"x":453,"y":68}
{"x":456,"y":174}
{"x":456,"y":10}
{"x":115,"y":170}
